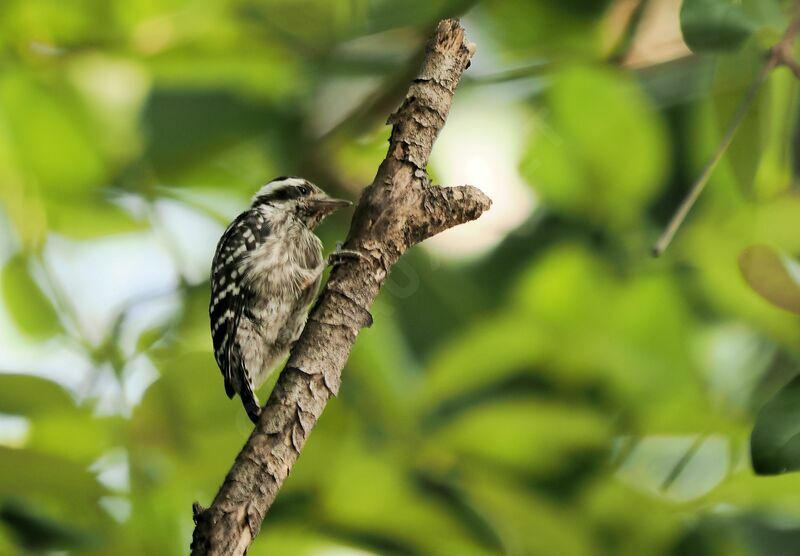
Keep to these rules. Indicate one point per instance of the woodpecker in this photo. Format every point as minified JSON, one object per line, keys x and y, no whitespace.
{"x":265,"y":273}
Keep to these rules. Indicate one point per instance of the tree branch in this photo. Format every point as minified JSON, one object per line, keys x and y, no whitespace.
{"x":399,"y":209}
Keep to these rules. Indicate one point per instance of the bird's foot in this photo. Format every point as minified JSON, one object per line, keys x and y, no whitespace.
{"x":342,"y":255}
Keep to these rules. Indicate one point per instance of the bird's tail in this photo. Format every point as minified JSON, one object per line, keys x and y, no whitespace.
{"x":250,"y":402}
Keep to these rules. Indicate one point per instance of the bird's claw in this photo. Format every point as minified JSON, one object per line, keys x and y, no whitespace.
{"x":341,"y":255}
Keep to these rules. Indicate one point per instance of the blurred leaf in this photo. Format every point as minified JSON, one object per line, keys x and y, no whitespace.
{"x":601,"y":156}
{"x":680,"y":467}
{"x":740,"y":534}
{"x":76,"y":436}
{"x":30,"y":308}
{"x":565,"y":286}
{"x":774,"y":174}
{"x":715,"y":241}
{"x":186,"y":126}
{"x":192,"y":329}
{"x":383,"y":373}
{"x":32,"y":396}
{"x":714,"y":25}
{"x":733,"y":77}
{"x":52,"y":141}
{"x":113,"y":89}
{"x":316,"y":24}
{"x":7,"y":544}
{"x":774,"y":276}
{"x":393,"y":14}
{"x":252,"y":72}
{"x":300,"y":540}
{"x":630,"y":337}
{"x":19,"y":202}
{"x":150,"y":336}
{"x":775,"y":441}
{"x":51,"y":480}
{"x":371,"y":492}
{"x":447,"y":295}
{"x":87,"y":217}
{"x":633,"y":522}
{"x":526,"y":28}
{"x":526,"y":523}
{"x":167,"y":418}
{"x":356,"y":160}
{"x":45,"y":21}
{"x":233,"y":170}
{"x":527,"y":435}
{"x":744,"y":488}
{"x":39,"y":533}
{"x":773,"y":222}
{"x":490,"y":352}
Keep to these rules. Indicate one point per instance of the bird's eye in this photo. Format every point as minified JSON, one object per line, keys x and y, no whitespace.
{"x":304,"y":190}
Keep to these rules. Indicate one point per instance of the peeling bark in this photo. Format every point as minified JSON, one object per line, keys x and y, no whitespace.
{"x":399,"y":209}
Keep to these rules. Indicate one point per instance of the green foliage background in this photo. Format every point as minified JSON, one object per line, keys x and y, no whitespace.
{"x":562,"y":393}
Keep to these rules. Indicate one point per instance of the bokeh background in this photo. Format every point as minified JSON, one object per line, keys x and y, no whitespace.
{"x":535,"y":383}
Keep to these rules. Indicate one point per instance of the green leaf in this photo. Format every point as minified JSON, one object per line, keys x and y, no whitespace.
{"x":527,"y":435}
{"x":486,"y":354}
{"x":189,"y":127}
{"x":382,"y":375}
{"x":30,"y":308}
{"x":525,"y":28}
{"x":256,"y":72}
{"x":600,"y":156}
{"x":527,"y":524}
{"x":717,"y":238}
{"x":21,"y":206}
{"x":714,"y":25}
{"x":775,"y":441}
{"x":635,"y":522}
{"x":32,"y":396}
{"x":59,"y":426}
{"x":300,"y":540}
{"x":773,"y":275}
{"x":37,"y":532}
{"x":733,"y":78}
{"x":364,"y":483}
{"x":87,"y":217}
{"x":75,"y":436}
{"x":52,"y":140}
{"x":56,"y":481}
{"x":150,"y":336}
{"x":7,"y":545}
{"x":775,"y":169}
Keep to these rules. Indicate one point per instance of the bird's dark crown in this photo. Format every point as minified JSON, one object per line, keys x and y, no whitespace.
{"x":286,"y":188}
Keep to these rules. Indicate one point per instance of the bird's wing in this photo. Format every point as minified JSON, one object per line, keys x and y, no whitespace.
{"x":230,"y":296}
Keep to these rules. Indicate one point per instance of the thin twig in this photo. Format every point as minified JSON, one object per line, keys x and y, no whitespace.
{"x":681,"y":464}
{"x":701,"y":182}
{"x":780,"y":55}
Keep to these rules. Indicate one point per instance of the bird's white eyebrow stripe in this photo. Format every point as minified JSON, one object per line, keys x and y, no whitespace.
{"x":277,"y":185}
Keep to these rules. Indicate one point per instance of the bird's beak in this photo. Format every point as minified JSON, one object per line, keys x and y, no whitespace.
{"x":328,"y":205}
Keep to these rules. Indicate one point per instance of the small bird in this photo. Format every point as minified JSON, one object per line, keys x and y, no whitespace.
{"x":265,"y":274}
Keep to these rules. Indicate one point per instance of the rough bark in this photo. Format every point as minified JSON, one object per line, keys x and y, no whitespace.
{"x":399,"y":209}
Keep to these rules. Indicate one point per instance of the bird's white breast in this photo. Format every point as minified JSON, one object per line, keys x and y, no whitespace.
{"x":280,"y":265}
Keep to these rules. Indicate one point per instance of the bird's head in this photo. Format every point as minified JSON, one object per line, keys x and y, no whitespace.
{"x":300,"y":198}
